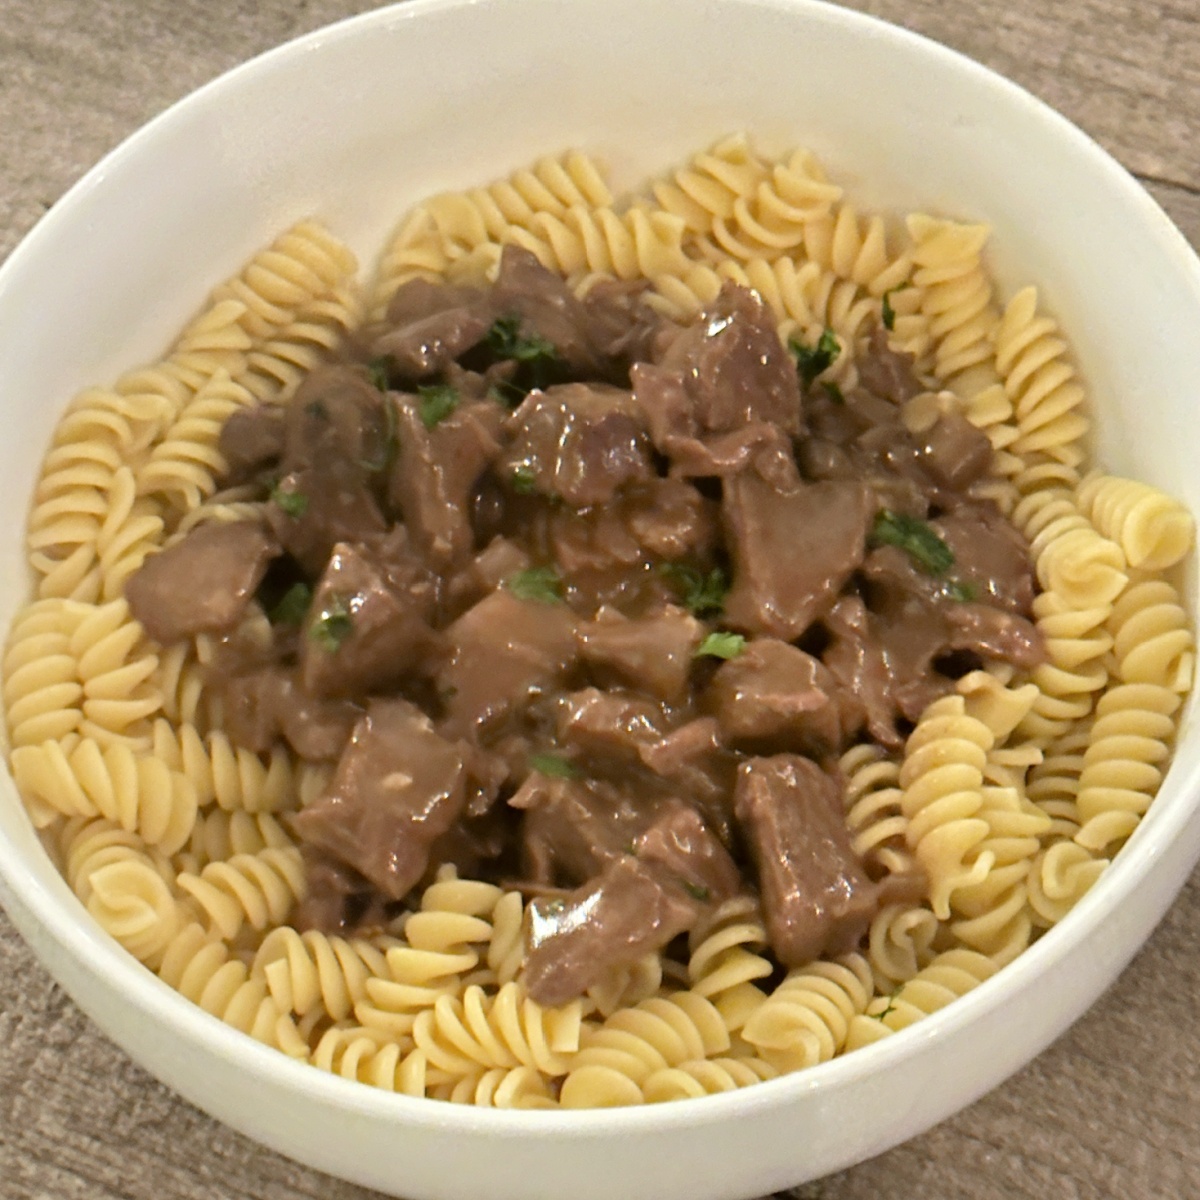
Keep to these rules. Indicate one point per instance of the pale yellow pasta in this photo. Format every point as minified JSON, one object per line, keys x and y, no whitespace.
{"x":1154,"y":529}
{"x":874,"y":808}
{"x":42,"y":691}
{"x":900,"y":942}
{"x":725,"y":960}
{"x":1061,"y":875}
{"x":709,"y":187}
{"x":705,"y":1077}
{"x":256,"y":889}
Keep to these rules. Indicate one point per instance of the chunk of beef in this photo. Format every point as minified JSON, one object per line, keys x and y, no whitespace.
{"x":436,"y":471}
{"x":817,"y":898}
{"x":954,"y":452}
{"x":399,"y":786}
{"x":251,"y":440}
{"x":429,"y":325}
{"x":773,"y":692}
{"x":337,"y":899}
{"x":600,"y":561}
{"x":856,"y":659}
{"x":653,"y":653}
{"x":502,"y":653}
{"x":990,"y":557}
{"x":792,"y":551}
{"x":203,"y":583}
{"x":670,"y":518}
{"x":579,"y":441}
{"x":610,"y":724}
{"x":628,"y":911}
{"x":683,"y":847}
{"x":695,"y":761}
{"x":887,"y":372}
{"x":621,"y":325}
{"x":369,"y":622}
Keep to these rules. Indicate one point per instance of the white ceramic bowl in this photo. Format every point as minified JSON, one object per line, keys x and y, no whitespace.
{"x":354,"y":123}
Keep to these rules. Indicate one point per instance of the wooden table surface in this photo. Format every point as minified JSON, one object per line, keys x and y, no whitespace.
{"x":1113,"y":1109}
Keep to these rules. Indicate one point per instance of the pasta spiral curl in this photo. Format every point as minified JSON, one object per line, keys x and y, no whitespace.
{"x":942,"y":780}
{"x":201,"y":969}
{"x":900,"y":942}
{"x":260,"y":889}
{"x":807,"y":1018}
{"x":1152,"y":639}
{"x":874,"y":808}
{"x":705,"y":1077}
{"x":139,"y":793}
{"x":614,"y":1061}
{"x":368,"y":1057}
{"x":1060,"y":877}
{"x":132,"y":528}
{"x":219,"y":835}
{"x":622,"y":986}
{"x":856,"y":250}
{"x":42,"y":693}
{"x":1153,"y":529}
{"x":725,"y":960}
{"x":952,"y":974}
{"x":124,"y":886}
{"x":1053,"y":784}
{"x":516,"y":1087}
{"x":708,"y":188}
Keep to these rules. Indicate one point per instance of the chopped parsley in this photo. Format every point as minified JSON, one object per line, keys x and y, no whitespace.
{"x":523,"y":481}
{"x":505,"y":340}
{"x":385,"y":452}
{"x":536,"y":360}
{"x":889,"y":313}
{"x":721,"y":645}
{"x":293,"y":606}
{"x":915,"y":537}
{"x":436,"y":403}
{"x":812,"y":360}
{"x":553,"y":765}
{"x":891,"y":1005}
{"x":294,"y":504}
{"x":333,"y":626}
{"x":379,"y":371}
{"x":961,"y":591}
{"x":702,"y":595}
{"x":697,"y":892}
{"x":537,"y":583}
{"x":833,"y":392}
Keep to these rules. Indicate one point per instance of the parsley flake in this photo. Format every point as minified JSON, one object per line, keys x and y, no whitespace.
{"x":437,"y":402}
{"x":958,"y":589}
{"x":888,"y":312}
{"x":915,"y":537}
{"x":833,"y":392}
{"x":294,"y":504}
{"x":333,"y":625}
{"x":537,"y":583}
{"x":379,"y":371}
{"x":721,"y":644}
{"x":702,"y":595}
{"x":505,"y":340}
{"x":523,"y":481}
{"x":553,"y":765}
{"x":891,"y":1005}
{"x":812,"y":360}
{"x":697,"y":892}
{"x":293,"y":606}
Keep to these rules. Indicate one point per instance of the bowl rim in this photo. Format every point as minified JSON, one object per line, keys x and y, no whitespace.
{"x":75,"y":932}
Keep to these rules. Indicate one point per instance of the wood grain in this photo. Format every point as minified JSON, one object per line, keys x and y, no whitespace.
{"x":1112,"y":1110}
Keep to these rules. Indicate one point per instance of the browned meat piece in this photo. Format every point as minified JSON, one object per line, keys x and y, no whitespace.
{"x":578,"y":441}
{"x":887,"y":372}
{"x":251,"y":439}
{"x":368,"y":624}
{"x":620,"y":323}
{"x":336,"y":448}
{"x":610,"y":724}
{"x":856,"y":659}
{"x":773,"y":692}
{"x":574,"y":828}
{"x":203,"y":583}
{"x":658,"y":887}
{"x":502,"y":653}
{"x":653,"y":653}
{"x":697,"y":764}
{"x":792,"y":550}
{"x":670,"y":518}
{"x":955,"y":453}
{"x":817,"y":898}
{"x":991,"y":558}
{"x":996,"y":634}
{"x":336,"y":898}
{"x":399,"y":786}
{"x":623,"y":914}
{"x":263,"y":705}
{"x":429,"y":325}
{"x":435,"y":473}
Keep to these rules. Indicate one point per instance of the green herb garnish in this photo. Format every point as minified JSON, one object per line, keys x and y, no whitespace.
{"x":523,"y":481}
{"x":721,"y":645}
{"x":333,"y":626}
{"x":915,"y":537}
{"x":553,"y":765}
{"x":891,"y":1005}
{"x":537,"y":583}
{"x":961,"y":591}
{"x":697,"y":892}
{"x":833,"y":392}
{"x":293,"y":606}
{"x":812,"y":360}
{"x":294,"y":504}
{"x":436,"y":403}
{"x":889,"y":313}
{"x":379,"y":371}
{"x":505,"y":340}
{"x":702,"y":595}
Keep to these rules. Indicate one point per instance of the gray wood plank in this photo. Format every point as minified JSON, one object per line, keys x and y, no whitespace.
{"x":1108,"y":1111}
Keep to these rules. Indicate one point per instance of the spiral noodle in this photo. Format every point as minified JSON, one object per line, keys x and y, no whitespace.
{"x":259,"y":889}
{"x":1153,"y":529}
{"x":725,"y":960}
{"x":1053,"y":784}
{"x":42,"y":691}
{"x":709,"y":187}
{"x":705,"y":1077}
{"x":807,"y":1018}
{"x":900,"y":942}
{"x":874,"y":808}
{"x":219,"y":835}
{"x":1061,"y":875}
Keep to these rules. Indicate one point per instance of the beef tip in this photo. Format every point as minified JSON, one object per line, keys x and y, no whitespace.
{"x":995,"y":634}
{"x":682,"y":845}
{"x":817,"y":897}
{"x":502,"y":653}
{"x":429,"y":325}
{"x":436,"y":471}
{"x":991,"y":558}
{"x":203,"y":583}
{"x":546,"y":307}
{"x":773,"y":692}
{"x":734,"y":369}
{"x":653,"y":653}
{"x":579,"y":441}
{"x":610,"y":724}
{"x":954,"y":452}
{"x":622,"y":326}
{"x":337,"y":899}
{"x":263,"y":705}
{"x":250,"y":441}
{"x":793,"y":551}
{"x":573,"y":828}
{"x":630,"y":910}
{"x":856,"y":659}
{"x":368,"y":624}
{"x":398,"y":787}
{"x":336,"y":446}
{"x":500,"y":559}
{"x":696,"y":763}
{"x":598,"y":558}
{"x":670,"y":518}
{"x":887,"y":372}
